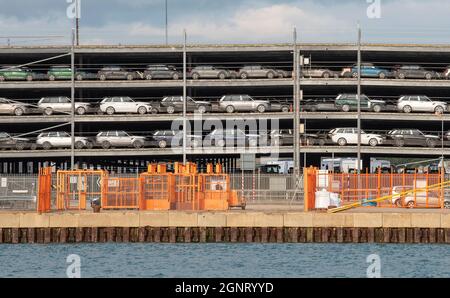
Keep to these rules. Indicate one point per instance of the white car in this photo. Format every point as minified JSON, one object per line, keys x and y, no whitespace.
{"x":61,"y":104}
{"x":118,"y":138}
{"x":61,"y":139}
{"x":348,"y":135}
{"x":420,"y":103}
{"x":124,"y":104}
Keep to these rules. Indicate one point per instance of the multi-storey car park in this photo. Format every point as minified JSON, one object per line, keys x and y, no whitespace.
{"x":276,"y":89}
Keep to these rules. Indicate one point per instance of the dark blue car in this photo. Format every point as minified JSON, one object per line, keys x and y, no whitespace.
{"x":371,"y":71}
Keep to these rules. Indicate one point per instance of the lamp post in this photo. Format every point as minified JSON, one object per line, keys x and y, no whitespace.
{"x":184,"y":96}
{"x":359,"y":100}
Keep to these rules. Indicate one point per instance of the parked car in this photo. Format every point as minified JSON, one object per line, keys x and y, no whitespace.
{"x":347,"y":102}
{"x":119,"y":138}
{"x":319,"y":73}
{"x":16,"y":74}
{"x":230,"y":138}
{"x":156,"y":71}
{"x":447,"y":135}
{"x":446,"y":73}
{"x":411,"y":137}
{"x":174,"y":104}
{"x":171,"y":138}
{"x":61,"y":104}
{"x":368,"y":70}
{"x":124,"y":104}
{"x":64,"y":73}
{"x":8,"y":106}
{"x":420,"y":103}
{"x":61,"y":139}
{"x":258,"y":71}
{"x":280,"y":106}
{"x":117,"y":73}
{"x":281,"y":137}
{"x":318,"y":105}
{"x":9,"y":142}
{"x":349,"y":135}
{"x":418,"y":199}
{"x":242,"y":103}
{"x":414,"y":72}
{"x":211,"y":72}
{"x":312,"y":139}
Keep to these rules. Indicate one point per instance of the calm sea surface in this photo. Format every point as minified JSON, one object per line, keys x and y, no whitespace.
{"x":224,"y":260}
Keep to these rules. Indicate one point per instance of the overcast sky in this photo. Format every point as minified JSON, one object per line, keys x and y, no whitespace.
{"x":226,"y":21}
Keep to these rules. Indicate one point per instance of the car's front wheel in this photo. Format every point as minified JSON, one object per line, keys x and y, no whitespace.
{"x":428,"y":76}
{"x":377,"y":108}
{"x":399,"y":142}
{"x":230,"y":109}
{"x":29,"y":78}
{"x":142,"y":110}
{"x":431,"y":143}
{"x":149,"y":77}
{"x":162,"y":144}
{"x":18,"y":111}
{"x":222,"y":76}
{"x":79,"y":145}
{"x":285,"y":109}
{"x":373,"y":142}
{"x":410,"y":204}
{"x":46,"y":145}
{"x":79,"y":77}
{"x":201,"y":109}
{"x":346,"y":108}
{"x":51,"y":78}
{"x":106,"y":145}
{"x":130,"y":77}
{"x":407,"y":109}
{"x":270,"y":75}
{"x":398,"y":203}
{"x":382,"y":75}
{"x":48,"y":111}
{"x":20,"y":146}
{"x":261,"y":108}
{"x":439,"y":110}
{"x":171,"y":109}
{"x":138,"y":144}
{"x":195,"y":76}
{"x":110,"y":110}
{"x":175,"y":76}
{"x":342,"y":142}
{"x":244,"y":76}
{"x":102,"y":77}
{"x":81,"y":110}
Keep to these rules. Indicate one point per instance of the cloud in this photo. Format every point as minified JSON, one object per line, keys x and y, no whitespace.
{"x":232,"y":21}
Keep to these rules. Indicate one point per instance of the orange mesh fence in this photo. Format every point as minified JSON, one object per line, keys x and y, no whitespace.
{"x":75,"y":188}
{"x":120,"y":193}
{"x":357,"y":187}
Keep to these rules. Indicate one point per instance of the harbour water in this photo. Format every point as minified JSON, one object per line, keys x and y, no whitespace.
{"x":224,"y":260}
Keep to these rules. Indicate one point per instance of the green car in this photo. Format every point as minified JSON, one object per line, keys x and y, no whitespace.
{"x":63,"y":73}
{"x":16,"y":74}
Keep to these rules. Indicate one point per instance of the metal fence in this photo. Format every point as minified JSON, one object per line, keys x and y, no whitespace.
{"x":19,"y":192}
{"x":256,"y":187}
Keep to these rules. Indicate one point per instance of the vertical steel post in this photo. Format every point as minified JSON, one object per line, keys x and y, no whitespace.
{"x":184,"y":96}
{"x":296,"y":106}
{"x":77,"y":22}
{"x":72,"y":98}
{"x":359,"y":100}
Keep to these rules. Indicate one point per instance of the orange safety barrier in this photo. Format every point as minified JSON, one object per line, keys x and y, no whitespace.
{"x":358,"y":187}
{"x":44,"y":190}
{"x":120,"y":193}
{"x":74,"y":188}
{"x":156,"y":189}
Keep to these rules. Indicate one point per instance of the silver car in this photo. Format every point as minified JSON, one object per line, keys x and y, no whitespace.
{"x":319,"y":73}
{"x":61,"y":139}
{"x":211,"y":72}
{"x":61,"y":104}
{"x":118,"y":138}
{"x":12,"y":107}
{"x":242,"y":103}
{"x":258,"y":71}
{"x":124,"y":104}
{"x":420,"y":103}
